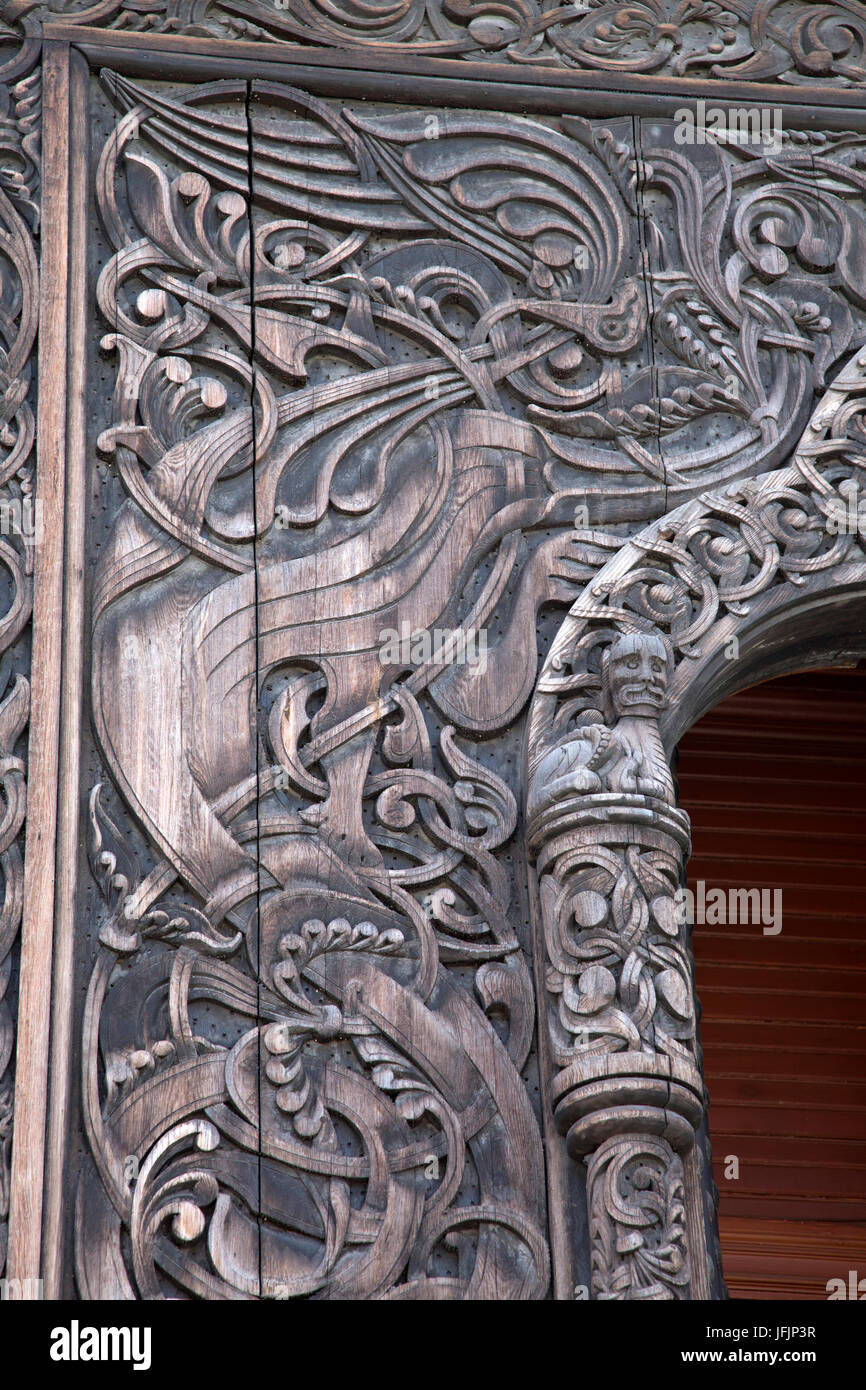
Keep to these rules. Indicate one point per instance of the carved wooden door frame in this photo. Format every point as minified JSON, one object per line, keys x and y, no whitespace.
{"x":739,"y":547}
{"x":617,"y":866}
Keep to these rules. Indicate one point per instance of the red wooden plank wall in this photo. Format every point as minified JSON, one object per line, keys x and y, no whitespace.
{"x":774,"y":782}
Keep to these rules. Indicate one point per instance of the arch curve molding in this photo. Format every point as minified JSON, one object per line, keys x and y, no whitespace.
{"x":740,"y":584}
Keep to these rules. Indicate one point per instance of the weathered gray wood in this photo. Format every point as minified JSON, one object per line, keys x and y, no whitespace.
{"x":272,"y":602}
{"x":756,"y":46}
{"x":609,"y":844}
{"x":37,"y":931}
{"x":55,"y":1250}
{"x":364,"y":376}
{"x":20,"y":526}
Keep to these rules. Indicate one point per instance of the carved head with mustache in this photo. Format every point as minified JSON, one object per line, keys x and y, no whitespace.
{"x":637,"y":669}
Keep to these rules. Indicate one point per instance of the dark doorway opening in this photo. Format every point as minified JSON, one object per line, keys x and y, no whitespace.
{"x":774,"y":780}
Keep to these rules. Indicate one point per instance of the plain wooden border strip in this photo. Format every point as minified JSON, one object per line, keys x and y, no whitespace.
{"x":72,"y":691}
{"x":696,"y":1228}
{"x":37,"y":927}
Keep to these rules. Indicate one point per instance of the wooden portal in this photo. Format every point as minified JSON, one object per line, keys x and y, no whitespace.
{"x":431,"y":416}
{"x":782,"y":1001}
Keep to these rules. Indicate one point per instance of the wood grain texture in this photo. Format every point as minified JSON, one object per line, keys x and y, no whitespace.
{"x":20,"y":528}
{"x":745,"y":42}
{"x":55,"y":1254}
{"x":37,"y":931}
{"x":369,"y":76}
{"x":601,"y":829}
{"x":367,"y":1132}
{"x":626,"y":1088}
{"x":388,"y":377}
{"x":445,"y":317}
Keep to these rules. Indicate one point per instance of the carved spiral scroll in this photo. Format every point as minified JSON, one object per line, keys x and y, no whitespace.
{"x":620,"y":1006}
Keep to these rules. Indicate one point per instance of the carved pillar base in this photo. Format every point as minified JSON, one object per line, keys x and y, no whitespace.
{"x":637,"y":1220}
{"x":628,"y":1094}
{"x":610,"y":847}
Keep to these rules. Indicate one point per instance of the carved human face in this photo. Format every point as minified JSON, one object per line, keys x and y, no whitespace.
{"x":638,"y":675}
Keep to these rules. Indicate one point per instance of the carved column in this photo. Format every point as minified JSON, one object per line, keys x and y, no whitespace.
{"x":610,"y":848}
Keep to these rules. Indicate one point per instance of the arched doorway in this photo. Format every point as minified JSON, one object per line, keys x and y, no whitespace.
{"x":773,"y":778}
{"x":737,"y":587}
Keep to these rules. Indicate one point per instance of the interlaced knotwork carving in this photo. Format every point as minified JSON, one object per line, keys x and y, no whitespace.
{"x":368,"y":364}
{"x":637,"y":1221}
{"x":388,"y":377}
{"x":620,"y":1005}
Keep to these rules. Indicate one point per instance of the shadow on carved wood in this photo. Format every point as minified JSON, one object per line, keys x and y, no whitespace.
{"x":370,"y":364}
{"x":651,"y":640}
{"x":790,"y":41}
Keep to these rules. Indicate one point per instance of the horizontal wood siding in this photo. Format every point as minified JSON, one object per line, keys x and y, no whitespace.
{"x":774,"y":781}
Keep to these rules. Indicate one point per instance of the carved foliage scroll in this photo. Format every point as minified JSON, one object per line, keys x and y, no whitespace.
{"x":790,"y":41}
{"x":367,"y":364}
{"x":609,"y":846}
{"x":327,"y":877}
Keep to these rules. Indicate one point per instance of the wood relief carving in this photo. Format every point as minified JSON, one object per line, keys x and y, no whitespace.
{"x":19,"y":531}
{"x":609,"y":843}
{"x":368,"y":364}
{"x":327,"y":873}
{"x":446,"y":451}
{"x":611,"y":849}
{"x":790,"y":41}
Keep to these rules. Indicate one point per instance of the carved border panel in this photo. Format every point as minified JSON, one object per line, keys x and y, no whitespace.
{"x":786,"y":41}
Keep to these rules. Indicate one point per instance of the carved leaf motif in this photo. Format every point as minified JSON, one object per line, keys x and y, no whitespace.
{"x":740,"y":40}
{"x":638,"y":1222}
{"x":347,"y":409}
